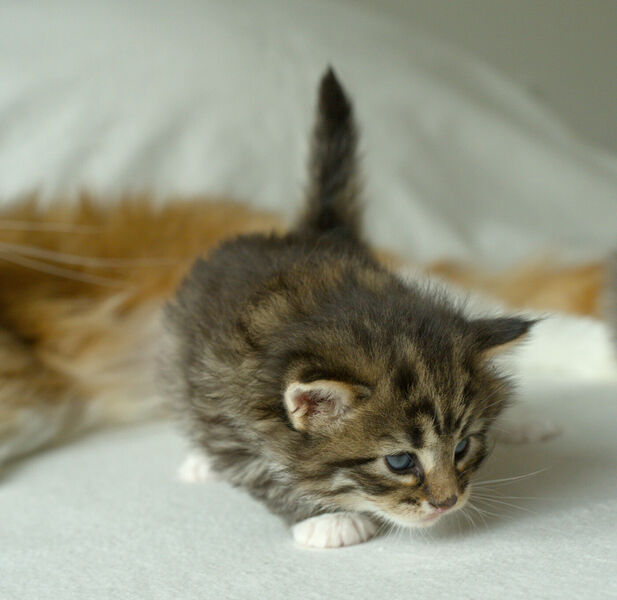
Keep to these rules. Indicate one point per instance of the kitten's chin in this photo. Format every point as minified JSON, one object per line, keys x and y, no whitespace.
{"x":427,"y":520}
{"x":422,"y":522}
{"x":419,"y":522}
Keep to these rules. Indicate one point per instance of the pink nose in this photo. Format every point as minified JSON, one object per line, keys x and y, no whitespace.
{"x":443,"y":505}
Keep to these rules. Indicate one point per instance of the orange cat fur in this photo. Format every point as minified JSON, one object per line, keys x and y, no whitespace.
{"x":82,"y":288}
{"x":537,"y":285}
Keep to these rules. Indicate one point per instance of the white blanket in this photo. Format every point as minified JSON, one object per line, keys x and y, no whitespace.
{"x":201,"y":96}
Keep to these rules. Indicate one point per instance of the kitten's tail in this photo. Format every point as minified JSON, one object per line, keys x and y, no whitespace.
{"x":334,"y":186}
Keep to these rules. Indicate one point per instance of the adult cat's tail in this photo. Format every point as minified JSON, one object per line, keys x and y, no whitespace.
{"x":611,"y":294}
{"x":334,"y":186}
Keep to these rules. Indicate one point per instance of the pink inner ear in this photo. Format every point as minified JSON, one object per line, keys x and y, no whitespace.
{"x":310,"y":402}
{"x":318,"y":401}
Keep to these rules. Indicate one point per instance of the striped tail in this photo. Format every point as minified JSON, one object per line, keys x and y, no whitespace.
{"x":334,"y":186}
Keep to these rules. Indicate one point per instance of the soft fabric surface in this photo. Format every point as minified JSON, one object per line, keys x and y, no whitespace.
{"x":205,"y":96}
{"x":105,"y":518}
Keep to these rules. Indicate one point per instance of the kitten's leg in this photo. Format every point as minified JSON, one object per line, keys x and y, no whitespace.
{"x":197,"y":468}
{"x":334,"y":530}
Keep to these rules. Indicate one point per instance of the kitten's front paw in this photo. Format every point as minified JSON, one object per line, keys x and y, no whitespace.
{"x":334,"y":530}
{"x":523,"y":433}
{"x":196,"y":468}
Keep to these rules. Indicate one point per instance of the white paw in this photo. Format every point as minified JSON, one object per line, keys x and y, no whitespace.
{"x":333,"y":530}
{"x":196,"y":468}
{"x":523,"y":433}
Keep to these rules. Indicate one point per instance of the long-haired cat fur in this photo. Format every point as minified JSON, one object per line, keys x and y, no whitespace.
{"x":84,"y":285}
{"x":83,"y":288}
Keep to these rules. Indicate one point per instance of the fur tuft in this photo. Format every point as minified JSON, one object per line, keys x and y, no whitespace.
{"x":492,"y":333}
{"x":611,"y":294}
{"x":334,"y":187}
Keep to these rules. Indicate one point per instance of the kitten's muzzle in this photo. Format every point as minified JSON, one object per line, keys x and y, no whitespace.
{"x":443,"y":505}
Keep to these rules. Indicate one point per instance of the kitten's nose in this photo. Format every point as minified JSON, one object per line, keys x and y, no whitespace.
{"x":443,"y":504}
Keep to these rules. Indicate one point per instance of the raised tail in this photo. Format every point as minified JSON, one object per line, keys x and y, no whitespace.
{"x":334,"y":186}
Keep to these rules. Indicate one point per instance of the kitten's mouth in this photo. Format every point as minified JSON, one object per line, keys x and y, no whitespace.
{"x":434,"y":517}
{"x":438,"y":512}
{"x":426,"y":520}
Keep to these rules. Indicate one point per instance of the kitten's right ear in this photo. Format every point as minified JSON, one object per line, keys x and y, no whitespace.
{"x":318,"y":405}
{"x":494,"y":335}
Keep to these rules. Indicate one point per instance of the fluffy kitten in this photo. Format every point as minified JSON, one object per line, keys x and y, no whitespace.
{"x":312,"y":377}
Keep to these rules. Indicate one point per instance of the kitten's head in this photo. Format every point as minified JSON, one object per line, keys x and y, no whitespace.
{"x":394,"y":416}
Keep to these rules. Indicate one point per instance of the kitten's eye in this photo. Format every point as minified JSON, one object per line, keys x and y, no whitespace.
{"x":461,"y":449}
{"x":401,"y":463}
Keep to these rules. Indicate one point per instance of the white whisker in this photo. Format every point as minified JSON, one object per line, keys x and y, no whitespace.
{"x":467,"y":517}
{"x":16,"y":225}
{"x":478,"y":495}
{"x":507,"y":480}
{"x":480,"y":514}
{"x":84,"y":261}
{"x":43,"y":267}
{"x":508,"y":504}
{"x":484,"y":511}
{"x":472,"y":521}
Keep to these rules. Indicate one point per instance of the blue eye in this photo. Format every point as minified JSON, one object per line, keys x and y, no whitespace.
{"x":401,"y":463}
{"x":461,"y":448}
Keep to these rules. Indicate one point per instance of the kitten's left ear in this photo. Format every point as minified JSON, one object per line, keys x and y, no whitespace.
{"x":317,"y":405}
{"x":495,"y":335}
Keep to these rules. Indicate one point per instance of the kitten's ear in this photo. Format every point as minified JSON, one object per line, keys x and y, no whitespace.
{"x":317,"y":405}
{"x":495,"y":335}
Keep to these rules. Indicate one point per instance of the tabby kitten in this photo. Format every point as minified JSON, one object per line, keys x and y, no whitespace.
{"x":313,"y":378}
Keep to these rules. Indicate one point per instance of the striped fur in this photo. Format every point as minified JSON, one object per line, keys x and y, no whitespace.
{"x":299,"y":362}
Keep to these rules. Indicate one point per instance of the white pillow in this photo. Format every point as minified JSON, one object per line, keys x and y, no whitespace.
{"x":217,"y":97}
